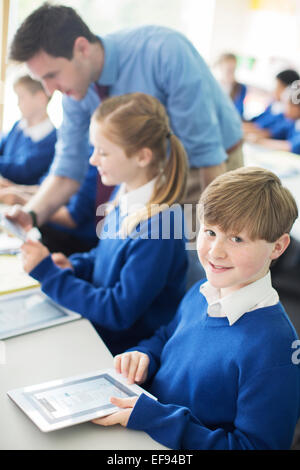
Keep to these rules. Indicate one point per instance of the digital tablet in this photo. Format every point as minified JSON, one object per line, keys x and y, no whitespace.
{"x":12,"y":228}
{"x":62,"y":403}
{"x":31,"y":310}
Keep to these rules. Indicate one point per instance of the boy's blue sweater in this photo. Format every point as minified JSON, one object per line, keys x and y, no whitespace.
{"x":239,"y":99}
{"x":288,"y":130}
{"x":221,"y":386}
{"x":127,"y":287}
{"x":23,"y":160}
{"x":268,"y":118}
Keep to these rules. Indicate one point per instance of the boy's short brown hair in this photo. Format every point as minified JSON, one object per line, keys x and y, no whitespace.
{"x":251,"y":199}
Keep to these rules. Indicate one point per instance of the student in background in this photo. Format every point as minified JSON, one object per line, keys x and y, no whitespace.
{"x":273,"y":114}
{"x":223,"y":369}
{"x":133,"y":281}
{"x":226,"y":64}
{"x":27,"y":151}
{"x":285,"y":134}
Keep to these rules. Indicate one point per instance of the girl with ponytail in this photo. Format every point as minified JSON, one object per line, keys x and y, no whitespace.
{"x":138,"y":124}
{"x":133,"y":281}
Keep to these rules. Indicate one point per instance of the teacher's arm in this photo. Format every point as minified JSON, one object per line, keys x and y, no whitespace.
{"x":54,"y":192}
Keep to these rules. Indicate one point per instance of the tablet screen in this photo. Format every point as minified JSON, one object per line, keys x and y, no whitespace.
{"x":28,"y":311}
{"x":77,"y":398}
{"x":13,"y":228}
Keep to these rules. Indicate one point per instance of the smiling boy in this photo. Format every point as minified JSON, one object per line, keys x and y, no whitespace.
{"x":222,"y":370}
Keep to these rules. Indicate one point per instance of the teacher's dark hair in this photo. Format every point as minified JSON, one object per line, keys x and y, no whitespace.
{"x":52,"y":29}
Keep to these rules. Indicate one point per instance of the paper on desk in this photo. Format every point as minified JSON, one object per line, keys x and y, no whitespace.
{"x":9,"y":245}
{"x":12,"y":276}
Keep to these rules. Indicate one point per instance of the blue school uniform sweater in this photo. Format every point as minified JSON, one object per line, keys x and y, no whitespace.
{"x":220,"y":386}
{"x":239,"y":98}
{"x":288,"y":130}
{"x":23,"y":160}
{"x":82,"y":209}
{"x":272,"y":115}
{"x":127,"y":287}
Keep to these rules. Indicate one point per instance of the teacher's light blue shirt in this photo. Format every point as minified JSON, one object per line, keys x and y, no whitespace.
{"x":163,"y":63}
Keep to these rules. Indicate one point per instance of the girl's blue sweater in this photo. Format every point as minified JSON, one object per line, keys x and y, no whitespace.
{"x":127,"y":287}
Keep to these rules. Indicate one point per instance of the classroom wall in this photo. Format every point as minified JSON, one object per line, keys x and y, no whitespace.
{"x":6,"y":13}
{"x":258,"y":28}
{"x":229,"y":23}
{"x":1,"y":29}
{"x":1,"y":59}
{"x":264,"y":34}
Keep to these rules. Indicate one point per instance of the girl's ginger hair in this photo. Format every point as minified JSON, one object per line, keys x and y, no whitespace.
{"x":251,"y":199}
{"x":135,"y":121}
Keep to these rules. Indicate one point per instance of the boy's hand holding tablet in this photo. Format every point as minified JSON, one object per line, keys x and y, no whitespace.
{"x":119,"y":417}
{"x":133,"y":365}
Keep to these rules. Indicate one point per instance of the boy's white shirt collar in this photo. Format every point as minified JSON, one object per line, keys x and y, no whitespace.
{"x":258,"y":294}
{"x":136,"y":199}
{"x":277,"y":107}
{"x":38,"y":131}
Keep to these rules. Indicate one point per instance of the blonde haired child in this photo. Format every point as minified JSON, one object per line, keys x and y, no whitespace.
{"x":223,"y":369}
{"x":27,"y":151}
{"x":133,"y":281}
{"x":227,"y":64}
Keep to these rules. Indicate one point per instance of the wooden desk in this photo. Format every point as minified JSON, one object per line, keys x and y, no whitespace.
{"x":53,"y":353}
